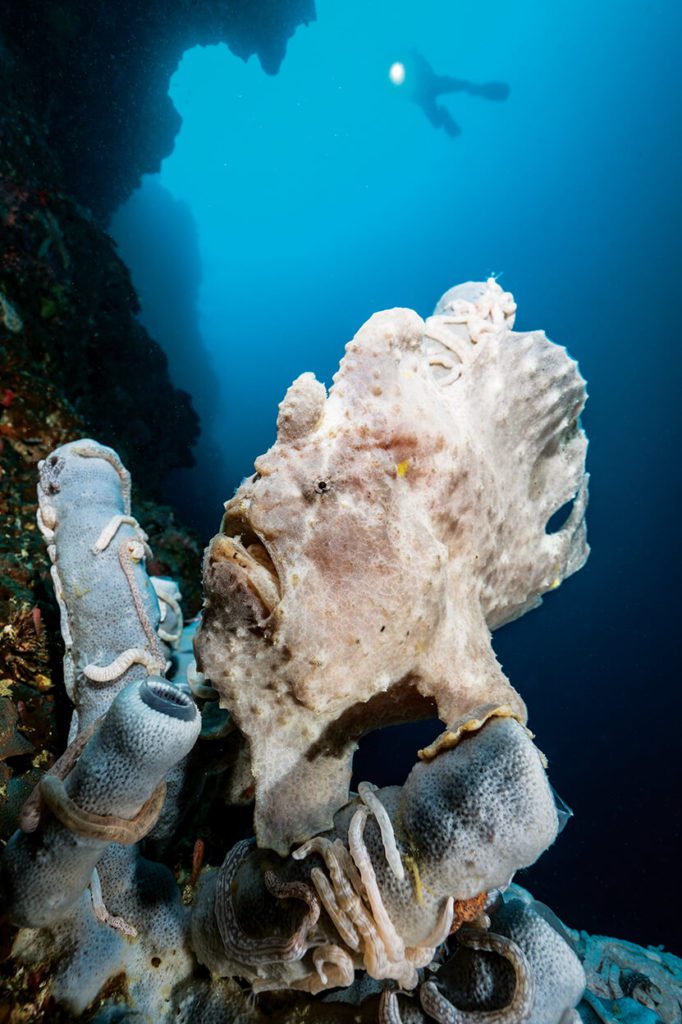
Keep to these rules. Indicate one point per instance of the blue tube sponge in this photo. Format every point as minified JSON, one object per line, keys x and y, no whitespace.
{"x":109,"y":610}
{"x":112,"y":793}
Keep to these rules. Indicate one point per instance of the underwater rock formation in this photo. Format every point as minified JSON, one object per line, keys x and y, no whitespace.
{"x":404,"y":909}
{"x":99,"y":74}
{"x":392,"y":525}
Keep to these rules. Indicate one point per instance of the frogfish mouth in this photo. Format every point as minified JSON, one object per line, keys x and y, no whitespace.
{"x":252,"y":573}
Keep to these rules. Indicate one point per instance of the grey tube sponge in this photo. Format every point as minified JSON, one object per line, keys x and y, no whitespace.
{"x":109,"y":610}
{"x":479,"y":812}
{"x":484,"y":982}
{"x":464,"y":823}
{"x":133,"y":730}
{"x":149,"y":727}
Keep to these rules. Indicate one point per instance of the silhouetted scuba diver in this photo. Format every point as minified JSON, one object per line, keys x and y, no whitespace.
{"x":423,"y":86}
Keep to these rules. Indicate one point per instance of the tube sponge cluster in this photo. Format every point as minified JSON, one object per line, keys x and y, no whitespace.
{"x":520,"y":969}
{"x":92,"y":907}
{"x":379,"y":893}
{"x":386,"y":886}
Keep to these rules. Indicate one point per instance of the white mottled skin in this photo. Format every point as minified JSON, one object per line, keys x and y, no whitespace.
{"x":391,"y":526}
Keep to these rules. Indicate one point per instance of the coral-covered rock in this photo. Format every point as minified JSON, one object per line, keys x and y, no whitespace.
{"x":70,"y":343}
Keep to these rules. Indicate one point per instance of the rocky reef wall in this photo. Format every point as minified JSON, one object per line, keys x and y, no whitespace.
{"x":99,"y":75}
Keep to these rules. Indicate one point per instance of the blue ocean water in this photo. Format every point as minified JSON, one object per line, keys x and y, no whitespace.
{"x":295,"y":205}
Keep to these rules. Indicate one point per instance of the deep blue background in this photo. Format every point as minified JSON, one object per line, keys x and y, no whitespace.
{"x":294,"y":206}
